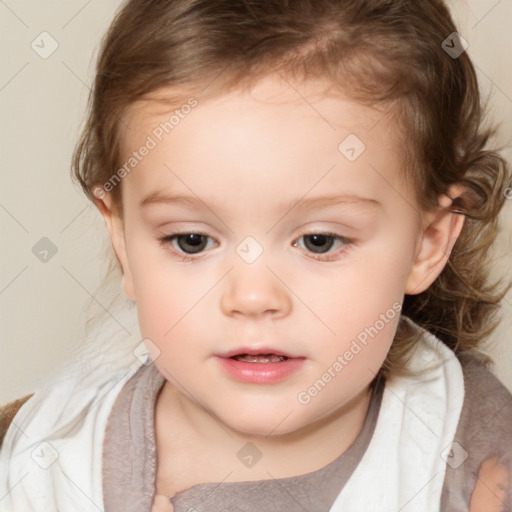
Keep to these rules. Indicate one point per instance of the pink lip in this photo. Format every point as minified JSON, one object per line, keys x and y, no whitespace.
{"x":255,"y":352}
{"x":260,"y":373}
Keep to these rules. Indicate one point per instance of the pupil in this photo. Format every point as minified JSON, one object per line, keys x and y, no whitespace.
{"x":193,"y":240}
{"x":193,"y":237}
{"x":318,"y":241}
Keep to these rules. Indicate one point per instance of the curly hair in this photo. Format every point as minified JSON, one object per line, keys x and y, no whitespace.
{"x":390,"y":54}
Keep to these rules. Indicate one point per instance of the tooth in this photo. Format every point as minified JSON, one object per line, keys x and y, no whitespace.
{"x":261,"y":358}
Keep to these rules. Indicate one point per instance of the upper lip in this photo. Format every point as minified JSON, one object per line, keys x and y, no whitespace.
{"x":255,"y":351}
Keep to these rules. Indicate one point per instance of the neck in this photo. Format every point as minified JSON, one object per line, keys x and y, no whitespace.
{"x":283,"y":455}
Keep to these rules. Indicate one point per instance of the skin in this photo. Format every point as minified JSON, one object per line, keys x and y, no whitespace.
{"x":491,"y":487}
{"x":243,"y":154}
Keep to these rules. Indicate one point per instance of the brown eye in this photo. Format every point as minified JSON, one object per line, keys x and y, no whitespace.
{"x":318,"y":243}
{"x":191,"y":243}
{"x":185,"y":244}
{"x":322,"y":243}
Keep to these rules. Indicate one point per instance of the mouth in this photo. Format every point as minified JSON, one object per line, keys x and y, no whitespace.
{"x":257,"y":355}
{"x":259,"y":358}
{"x":259,"y":366}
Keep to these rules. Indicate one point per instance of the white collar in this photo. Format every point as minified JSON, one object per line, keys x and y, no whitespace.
{"x":404,"y":465}
{"x":402,"y":469}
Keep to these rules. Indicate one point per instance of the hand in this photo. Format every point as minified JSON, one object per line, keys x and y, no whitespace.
{"x":491,"y":487}
{"x":162,"y":504}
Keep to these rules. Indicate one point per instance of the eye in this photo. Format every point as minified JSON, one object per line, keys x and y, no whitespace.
{"x":185,"y":244}
{"x":322,"y":243}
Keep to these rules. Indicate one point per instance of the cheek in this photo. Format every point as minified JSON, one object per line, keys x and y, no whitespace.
{"x":370,"y":285}
{"x":175,"y":311}
{"x":166,"y":303}
{"x":163,"y":293}
{"x":337,"y":306}
{"x":362,"y":306}
{"x":382,"y":275}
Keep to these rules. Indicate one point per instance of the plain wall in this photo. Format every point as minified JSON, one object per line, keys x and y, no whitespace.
{"x":42,"y":101}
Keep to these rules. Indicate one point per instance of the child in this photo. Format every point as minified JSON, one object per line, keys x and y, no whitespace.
{"x":225,"y":141}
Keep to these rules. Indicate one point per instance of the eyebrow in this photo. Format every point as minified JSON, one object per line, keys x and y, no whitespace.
{"x":301,"y":203}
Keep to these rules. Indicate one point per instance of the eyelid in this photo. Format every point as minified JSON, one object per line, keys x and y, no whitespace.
{"x":331,"y":255}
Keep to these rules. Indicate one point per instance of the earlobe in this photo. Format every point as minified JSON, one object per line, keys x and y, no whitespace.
{"x":115,"y":227}
{"x":441,"y":229}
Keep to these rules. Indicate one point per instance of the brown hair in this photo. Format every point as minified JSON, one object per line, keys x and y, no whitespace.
{"x":385,"y":53}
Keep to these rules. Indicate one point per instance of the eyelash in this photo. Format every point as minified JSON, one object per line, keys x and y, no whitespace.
{"x":167,"y":243}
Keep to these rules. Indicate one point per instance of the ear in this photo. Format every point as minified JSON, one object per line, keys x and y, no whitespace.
{"x":440,"y":231}
{"x":115,"y":226}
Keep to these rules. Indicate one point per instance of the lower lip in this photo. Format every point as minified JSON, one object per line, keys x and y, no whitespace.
{"x":260,"y":373}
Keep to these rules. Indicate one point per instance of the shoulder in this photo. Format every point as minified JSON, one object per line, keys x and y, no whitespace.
{"x":129,"y":447}
{"x":8,"y":412}
{"x":479,"y":467}
{"x":64,"y":421}
{"x":487,"y":409}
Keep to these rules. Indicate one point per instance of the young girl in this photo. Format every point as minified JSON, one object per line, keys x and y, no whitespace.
{"x":300,"y":200}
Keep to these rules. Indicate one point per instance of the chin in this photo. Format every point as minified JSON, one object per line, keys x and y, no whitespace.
{"x":260,"y":424}
{"x":260,"y":430}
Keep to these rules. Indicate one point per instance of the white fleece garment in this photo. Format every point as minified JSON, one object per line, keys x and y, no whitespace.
{"x":51,"y":459}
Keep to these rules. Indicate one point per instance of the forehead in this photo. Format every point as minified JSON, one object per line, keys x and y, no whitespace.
{"x":274,"y":129}
{"x":316,"y":102}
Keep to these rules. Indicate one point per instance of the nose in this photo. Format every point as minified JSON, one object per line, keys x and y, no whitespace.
{"x":254,"y":290}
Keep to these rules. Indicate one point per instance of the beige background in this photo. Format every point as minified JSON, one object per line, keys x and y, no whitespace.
{"x":44,"y":305}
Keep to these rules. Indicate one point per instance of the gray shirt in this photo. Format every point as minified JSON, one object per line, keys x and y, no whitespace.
{"x":129,"y":457}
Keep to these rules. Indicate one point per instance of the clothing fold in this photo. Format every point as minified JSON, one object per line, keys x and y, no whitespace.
{"x":52,"y":453}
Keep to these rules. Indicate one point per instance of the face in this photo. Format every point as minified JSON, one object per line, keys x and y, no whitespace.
{"x":267,"y":223}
